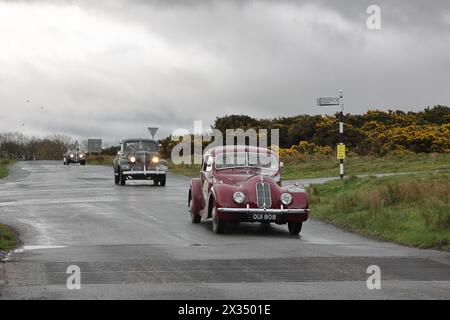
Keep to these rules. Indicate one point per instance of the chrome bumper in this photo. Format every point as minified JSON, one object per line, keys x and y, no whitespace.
{"x":143,"y":172}
{"x":258,"y":210}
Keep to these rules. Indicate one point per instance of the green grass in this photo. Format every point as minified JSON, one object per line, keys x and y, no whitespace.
{"x":8,"y":238}
{"x":185,"y":169}
{"x":318,"y":166}
{"x":4,"y":164}
{"x":412,"y":210}
{"x":103,"y":160}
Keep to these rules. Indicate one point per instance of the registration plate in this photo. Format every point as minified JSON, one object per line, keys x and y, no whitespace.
{"x":264,"y":217}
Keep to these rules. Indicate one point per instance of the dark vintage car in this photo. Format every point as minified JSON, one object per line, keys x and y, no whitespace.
{"x":139,"y":159}
{"x":243,"y":184}
{"x":74,"y":156}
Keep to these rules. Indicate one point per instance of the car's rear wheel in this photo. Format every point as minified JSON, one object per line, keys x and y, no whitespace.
{"x":295,"y":227}
{"x":195,"y":218}
{"x":217,"y":224}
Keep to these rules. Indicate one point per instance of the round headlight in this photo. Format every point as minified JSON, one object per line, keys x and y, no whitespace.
{"x":81,"y":156}
{"x":155,"y":159}
{"x":239,"y":197}
{"x":286,"y":198}
{"x":71,"y":155}
{"x":132,"y":159}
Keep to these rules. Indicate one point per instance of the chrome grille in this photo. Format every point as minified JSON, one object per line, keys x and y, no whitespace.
{"x":263,"y":198}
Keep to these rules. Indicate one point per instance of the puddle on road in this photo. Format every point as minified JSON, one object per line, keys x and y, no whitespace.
{"x":8,"y":255}
{"x":28,"y":248}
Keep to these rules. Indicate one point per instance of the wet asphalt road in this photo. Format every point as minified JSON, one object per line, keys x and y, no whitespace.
{"x":137,"y":242}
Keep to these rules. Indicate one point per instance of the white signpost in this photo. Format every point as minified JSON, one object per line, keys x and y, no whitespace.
{"x":152,"y":131}
{"x":327,"y":102}
{"x":330,"y":102}
{"x":94,"y":146}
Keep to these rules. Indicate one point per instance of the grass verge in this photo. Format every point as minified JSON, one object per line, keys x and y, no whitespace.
{"x":8,"y":238}
{"x":412,"y":210}
{"x":4,"y":164}
{"x":103,"y":160}
{"x":192,"y":170}
{"x":318,"y":166}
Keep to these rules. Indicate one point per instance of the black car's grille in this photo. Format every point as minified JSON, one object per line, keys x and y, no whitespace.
{"x":263,"y":195}
{"x":142,"y":160}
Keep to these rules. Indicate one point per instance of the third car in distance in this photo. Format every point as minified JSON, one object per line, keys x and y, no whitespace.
{"x":74,"y":155}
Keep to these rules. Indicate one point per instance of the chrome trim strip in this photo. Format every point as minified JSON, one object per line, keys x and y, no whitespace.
{"x":257,"y":210}
{"x":143,"y":172}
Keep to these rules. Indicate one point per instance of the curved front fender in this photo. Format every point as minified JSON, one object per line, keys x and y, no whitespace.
{"x":223,"y":195}
{"x":196,"y":192}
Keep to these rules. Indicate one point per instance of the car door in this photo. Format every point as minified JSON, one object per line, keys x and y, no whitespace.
{"x":116,"y":159}
{"x":206,"y":175}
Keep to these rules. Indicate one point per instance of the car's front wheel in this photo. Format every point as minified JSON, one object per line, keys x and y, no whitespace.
{"x":162,"y":180}
{"x":195,"y":218}
{"x":295,"y":227}
{"x":122,"y":178}
{"x":116,"y":178}
{"x":217,"y":224}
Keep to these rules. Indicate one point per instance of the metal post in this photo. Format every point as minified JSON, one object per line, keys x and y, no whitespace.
{"x":341,"y":130}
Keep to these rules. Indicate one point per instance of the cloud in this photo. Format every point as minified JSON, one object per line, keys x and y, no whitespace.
{"x":109,"y":69}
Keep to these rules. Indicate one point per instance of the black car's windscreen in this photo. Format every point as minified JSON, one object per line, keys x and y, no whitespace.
{"x":74,"y":151}
{"x":246,"y":159}
{"x":133,"y":146}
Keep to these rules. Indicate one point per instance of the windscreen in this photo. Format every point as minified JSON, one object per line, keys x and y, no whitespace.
{"x":246,"y":159}
{"x":133,"y":146}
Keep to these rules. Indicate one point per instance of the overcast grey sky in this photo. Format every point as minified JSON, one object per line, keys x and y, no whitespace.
{"x":111,"y":68}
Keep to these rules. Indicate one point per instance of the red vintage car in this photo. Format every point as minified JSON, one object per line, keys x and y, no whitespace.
{"x":243,"y":184}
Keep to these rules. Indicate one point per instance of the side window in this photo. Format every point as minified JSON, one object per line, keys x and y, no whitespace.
{"x":204,"y":163}
{"x":207,"y":163}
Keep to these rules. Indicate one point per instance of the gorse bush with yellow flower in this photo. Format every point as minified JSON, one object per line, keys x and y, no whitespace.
{"x":373,"y":133}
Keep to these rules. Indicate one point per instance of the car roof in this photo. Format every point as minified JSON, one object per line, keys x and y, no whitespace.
{"x":137,"y":139}
{"x":238,"y":148}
